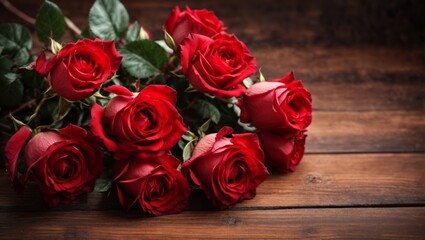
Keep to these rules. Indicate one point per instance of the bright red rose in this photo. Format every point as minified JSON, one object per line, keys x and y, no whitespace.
{"x":64,"y":163}
{"x":278,"y":105}
{"x":78,"y":70}
{"x":227,"y":169}
{"x":153,"y":182}
{"x":146,"y":125}
{"x":217,"y":65}
{"x":181,"y":23}
{"x":283,"y":151}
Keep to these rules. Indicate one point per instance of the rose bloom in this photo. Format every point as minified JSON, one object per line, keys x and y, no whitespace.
{"x":181,"y":23}
{"x":78,"y":69}
{"x":145,"y":125}
{"x":283,"y":151}
{"x":217,"y":65}
{"x":277,"y":105}
{"x":64,"y":163}
{"x":227,"y":169}
{"x":153,"y":182}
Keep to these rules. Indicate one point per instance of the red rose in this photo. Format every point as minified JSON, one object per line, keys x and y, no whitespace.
{"x":78,"y":70}
{"x":181,"y":23}
{"x":228,"y":170}
{"x":279,"y":105}
{"x":146,"y":125}
{"x":64,"y":163}
{"x":217,"y":65}
{"x":283,"y":151}
{"x":153,"y":182}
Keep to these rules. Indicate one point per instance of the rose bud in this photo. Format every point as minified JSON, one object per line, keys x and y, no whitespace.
{"x":181,"y":23}
{"x":79,"y":69}
{"x":227,"y":169}
{"x":217,"y":65}
{"x":145,"y":125}
{"x":278,"y":105}
{"x":64,"y":163}
{"x":153,"y":182}
{"x":283,"y":151}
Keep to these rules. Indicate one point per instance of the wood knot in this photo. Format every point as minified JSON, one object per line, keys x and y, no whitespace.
{"x":231,"y":221}
{"x":315,"y":178}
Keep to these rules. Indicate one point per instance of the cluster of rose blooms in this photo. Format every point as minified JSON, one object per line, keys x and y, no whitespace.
{"x":140,"y":128}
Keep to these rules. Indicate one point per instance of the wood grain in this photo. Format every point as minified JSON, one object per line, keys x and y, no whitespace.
{"x":350,"y":223}
{"x":363,"y":174}
{"x":370,"y":131}
{"x":321,"y":180}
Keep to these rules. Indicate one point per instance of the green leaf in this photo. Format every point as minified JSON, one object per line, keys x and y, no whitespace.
{"x":169,"y":40}
{"x":6,"y":76}
{"x":108,"y":19}
{"x":104,"y":182}
{"x":188,"y":149}
{"x":143,"y":58}
{"x":49,"y":22}
{"x":11,"y":95}
{"x":133,"y":32}
{"x":208,"y":110}
{"x":55,"y":46}
{"x":204,"y":128}
{"x":261,"y":78}
{"x":16,"y":42}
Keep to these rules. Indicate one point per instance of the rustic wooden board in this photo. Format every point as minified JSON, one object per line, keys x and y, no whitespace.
{"x":321,"y":180}
{"x":370,"y":131}
{"x":327,"y":223}
{"x":363,"y":176}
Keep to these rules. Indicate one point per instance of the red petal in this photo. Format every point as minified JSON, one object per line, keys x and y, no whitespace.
{"x":97,"y":128}
{"x":119,"y":90}
{"x":12,"y":151}
{"x":40,"y":65}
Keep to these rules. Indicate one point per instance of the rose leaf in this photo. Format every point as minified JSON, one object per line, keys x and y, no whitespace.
{"x":108,"y":19}
{"x":16,"y":42}
{"x":49,"y":22}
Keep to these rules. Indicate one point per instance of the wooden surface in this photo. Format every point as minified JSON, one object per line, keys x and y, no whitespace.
{"x":363,"y":175}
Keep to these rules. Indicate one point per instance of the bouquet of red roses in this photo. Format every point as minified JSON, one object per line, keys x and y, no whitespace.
{"x":153,"y":119}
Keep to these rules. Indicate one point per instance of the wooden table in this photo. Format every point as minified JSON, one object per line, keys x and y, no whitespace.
{"x":363,"y":175}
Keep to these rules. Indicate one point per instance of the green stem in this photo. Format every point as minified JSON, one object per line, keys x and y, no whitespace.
{"x":40,"y":104}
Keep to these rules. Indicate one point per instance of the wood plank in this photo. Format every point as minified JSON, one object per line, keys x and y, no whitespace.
{"x":321,"y":180}
{"x":369,"y":131}
{"x":323,"y":22}
{"x":357,"y":79}
{"x":390,"y":77}
{"x":350,"y":223}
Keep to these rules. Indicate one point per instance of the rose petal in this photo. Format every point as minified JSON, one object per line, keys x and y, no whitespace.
{"x":97,"y":128}
{"x":119,"y":90}
{"x":13,"y":149}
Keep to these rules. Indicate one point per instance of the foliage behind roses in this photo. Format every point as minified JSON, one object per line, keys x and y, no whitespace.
{"x":116,"y":108}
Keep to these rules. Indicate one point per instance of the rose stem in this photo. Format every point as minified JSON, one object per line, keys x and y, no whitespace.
{"x":18,"y":12}
{"x":25,"y":105}
{"x":31,"y":20}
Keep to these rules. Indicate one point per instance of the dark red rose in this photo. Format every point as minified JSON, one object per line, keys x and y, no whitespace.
{"x":78,"y":70}
{"x":283,"y":151}
{"x":181,"y":23}
{"x":217,"y":65}
{"x":277,"y":105}
{"x":153,"y":182}
{"x":145,"y":125}
{"x":227,"y":169}
{"x":64,"y":163}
